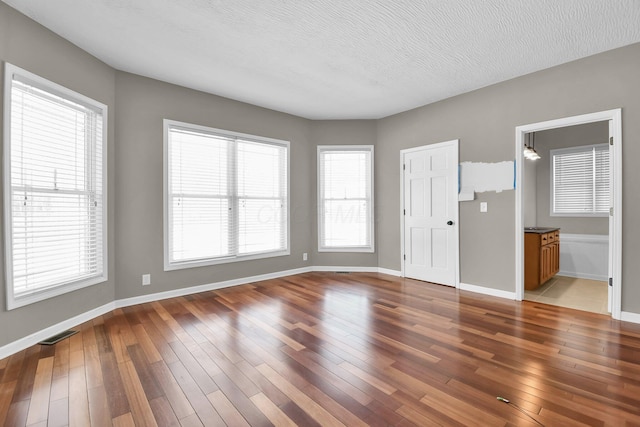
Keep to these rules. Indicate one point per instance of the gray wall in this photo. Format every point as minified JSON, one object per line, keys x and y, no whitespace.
{"x":141,"y":105}
{"x":36,"y":49}
{"x":485,"y":121}
{"x":339,"y":132}
{"x":572,"y":136}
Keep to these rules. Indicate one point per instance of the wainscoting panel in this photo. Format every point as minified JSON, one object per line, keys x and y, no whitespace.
{"x":584,"y":255}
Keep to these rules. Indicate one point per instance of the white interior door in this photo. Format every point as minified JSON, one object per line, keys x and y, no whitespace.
{"x":430,"y":213}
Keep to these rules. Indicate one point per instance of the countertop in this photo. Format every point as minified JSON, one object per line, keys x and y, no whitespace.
{"x":540,"y":230}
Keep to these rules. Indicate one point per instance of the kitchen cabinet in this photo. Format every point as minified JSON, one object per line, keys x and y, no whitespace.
{"x":541,"y":255}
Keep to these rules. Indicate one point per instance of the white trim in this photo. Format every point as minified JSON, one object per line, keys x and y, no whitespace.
{"x":487,"y":291}
{"x":456,"y":144}
{"x":396,"y":273}
{"x":587,"y":276}
{"x":614,"y":117}
{"x":346,"y":269}
{"x":627,"y":316}
{"x":320,"y":193}
{"x":207,"y":287}
{"x":36,"y":337}
{"x":10,"y":71}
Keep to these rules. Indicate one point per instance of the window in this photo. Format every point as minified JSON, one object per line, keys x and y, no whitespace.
{"x":580,"y":181}
{"x":55,"y":189}
{"x":226,"y":196}
{"x":345,"y":198}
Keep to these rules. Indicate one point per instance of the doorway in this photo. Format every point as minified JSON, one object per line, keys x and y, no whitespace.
{"x":568,"y":188}
{"x":429,"y":203}
{"x":614,"y":268}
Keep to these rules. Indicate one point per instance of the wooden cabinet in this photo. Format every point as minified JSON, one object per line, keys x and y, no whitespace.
{"x":541,"y":257}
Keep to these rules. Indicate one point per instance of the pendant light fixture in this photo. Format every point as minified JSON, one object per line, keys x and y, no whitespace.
{"x":529,"y":150}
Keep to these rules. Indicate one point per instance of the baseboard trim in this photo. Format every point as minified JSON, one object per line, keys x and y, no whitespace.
{"x":26,"y":342}
{"x":583,"y":276}
{"x":345,"y":268}
{"x":630,"y":317}
{"x":126,"y":302}
{"x":487,"y":291}
{"x":390,"y":272}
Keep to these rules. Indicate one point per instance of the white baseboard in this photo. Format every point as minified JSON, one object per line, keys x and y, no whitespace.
{"x":126,"y":302}
{"x":353,"y":269}
{"x":343,"y":268}
{"x":487,"y":291}
{"x":396,"y":273}
{"x":583,"y":275}
{"x":26,"y":342}
{"x":630,"y":317}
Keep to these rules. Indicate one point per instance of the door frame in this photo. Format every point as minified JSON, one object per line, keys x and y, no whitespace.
{"x":614,"y":117}
{"x":456,"y":214}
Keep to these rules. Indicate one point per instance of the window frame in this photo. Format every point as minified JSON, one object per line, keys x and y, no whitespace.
{"x":13,"y":301}
{"x":178,"y":265}
{"x":320,"y":189}
{"x":552,"y":195}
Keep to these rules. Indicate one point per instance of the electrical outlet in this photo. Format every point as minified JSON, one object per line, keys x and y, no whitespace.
{"x":146,"y":279}
{"x":483,"y":206}
{"x":305,"y":256}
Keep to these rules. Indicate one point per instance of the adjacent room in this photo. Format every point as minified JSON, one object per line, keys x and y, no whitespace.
{"x":256,"y":213}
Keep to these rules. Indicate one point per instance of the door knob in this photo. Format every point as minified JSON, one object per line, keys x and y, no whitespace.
{"x":449,"y":222}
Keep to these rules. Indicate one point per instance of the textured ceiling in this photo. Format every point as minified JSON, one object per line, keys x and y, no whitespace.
{"x":338,"y":59}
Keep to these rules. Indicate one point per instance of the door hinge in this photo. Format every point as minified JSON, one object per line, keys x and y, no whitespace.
{"x":404,"y":211}
{"x":404,"y":167}
{"x":610,"y":281}
{"x":611,"y":211}
{"x":610,"y":140}
{"x":404,"y":257}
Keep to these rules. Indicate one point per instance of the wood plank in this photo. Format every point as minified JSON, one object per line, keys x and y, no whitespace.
{"x":59,"y":414}
{"x":271,"y":411}
{"x":163,"y":413}
{"x":316,"y":411}
{"x":195,"y":396}
{"x":226,"y":409}
{"x":174,"y":394}
{"x":99,"y":407}
{"x":140,"y":408}
{"x":39,"y":404}
{"x":78,"y":397}
{"x":6,"y":396}
{"x":124,"y":420}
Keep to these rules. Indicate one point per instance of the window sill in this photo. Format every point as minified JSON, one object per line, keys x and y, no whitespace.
{"x":169,"y":266}
{"x":31,"y":298}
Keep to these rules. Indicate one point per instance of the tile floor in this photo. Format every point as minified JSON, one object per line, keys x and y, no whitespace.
{"x":581,"y":294}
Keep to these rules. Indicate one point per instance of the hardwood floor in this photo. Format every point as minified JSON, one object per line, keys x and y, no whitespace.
{"x":331,"y":349}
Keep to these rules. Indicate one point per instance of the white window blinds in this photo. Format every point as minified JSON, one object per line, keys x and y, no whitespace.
{"x":227,"y":196}
{"x":345,"y":198}
{"x":54,"y":189}
{"x":580,"y":181}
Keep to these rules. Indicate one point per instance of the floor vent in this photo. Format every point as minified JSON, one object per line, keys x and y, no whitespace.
{"x":57,"y":338}
{"x":342,"y":272}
